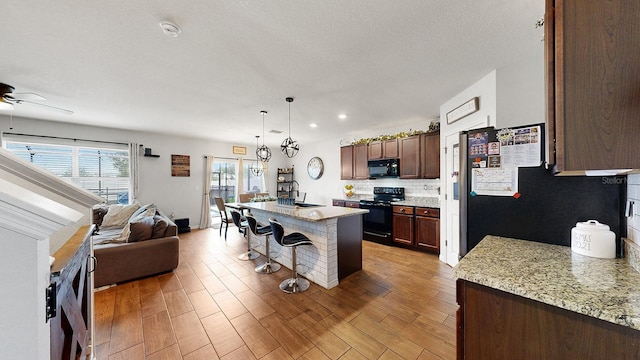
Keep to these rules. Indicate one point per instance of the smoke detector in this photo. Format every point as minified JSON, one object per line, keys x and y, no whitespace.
{"x":169,"y":28}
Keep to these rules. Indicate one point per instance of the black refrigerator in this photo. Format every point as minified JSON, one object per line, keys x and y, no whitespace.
{"x":543,"y":207}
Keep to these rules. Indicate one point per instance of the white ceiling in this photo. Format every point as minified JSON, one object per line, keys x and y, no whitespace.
{"x":382,"y":62}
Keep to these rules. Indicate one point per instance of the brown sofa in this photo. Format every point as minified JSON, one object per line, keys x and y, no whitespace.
{"x":122,"y":259}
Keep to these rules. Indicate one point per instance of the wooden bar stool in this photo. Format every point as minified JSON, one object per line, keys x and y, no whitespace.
{"x":294,"y":284}
{"x":242,"y":227}
{"x":258,"y":229}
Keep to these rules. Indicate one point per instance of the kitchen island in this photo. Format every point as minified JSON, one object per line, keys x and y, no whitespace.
{"x":527,"y":300}
{"x":336,"y":234}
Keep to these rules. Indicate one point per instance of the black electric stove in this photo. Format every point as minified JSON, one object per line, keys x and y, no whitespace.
{"x":377,"y":225}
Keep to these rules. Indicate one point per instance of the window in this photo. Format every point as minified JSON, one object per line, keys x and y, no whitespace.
{"x":252,"y":183}
{"x":102,"y":168}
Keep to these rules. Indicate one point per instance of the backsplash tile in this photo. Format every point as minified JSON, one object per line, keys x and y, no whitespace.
{"x":412,"y":188}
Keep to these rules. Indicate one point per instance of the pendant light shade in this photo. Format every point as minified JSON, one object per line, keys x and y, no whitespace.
{"x":263,"y":152}
{"x":256,"y":168}
{"x":289,"y":146}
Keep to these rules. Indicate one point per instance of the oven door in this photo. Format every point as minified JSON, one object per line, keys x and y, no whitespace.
{"x":378,"y":223}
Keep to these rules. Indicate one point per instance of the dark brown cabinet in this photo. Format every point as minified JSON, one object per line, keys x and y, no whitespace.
{"x":593,"y":92}
{"x":493,"y":324}
{"x":346,"y":203}
{"x":417,"y":227}
{"x":430,"y":155}
{"x":353,"y":162}
{"x":410,"y":157}
{"x":384,"y":149}
{"x":420,"y":156}
{"x":337,"y":202}
{"x":428,"y":229}
{"x":403,"y":225}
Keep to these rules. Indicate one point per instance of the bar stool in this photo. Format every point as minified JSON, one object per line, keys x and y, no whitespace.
{"x":294,"y":284}
{"x":242,"y":227}
{"x":262,"y":230}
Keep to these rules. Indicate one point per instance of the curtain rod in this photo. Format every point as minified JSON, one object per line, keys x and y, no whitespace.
{"x":224,"y":158}
{"x":230,"y":158}
{"x":66,"y":138}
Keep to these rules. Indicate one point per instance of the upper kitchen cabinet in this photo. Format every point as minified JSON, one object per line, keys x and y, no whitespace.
{"x":353,"y":162}
{"x":420,"y":156}
{"x":592,"y":57}
{"x":384,"y":149}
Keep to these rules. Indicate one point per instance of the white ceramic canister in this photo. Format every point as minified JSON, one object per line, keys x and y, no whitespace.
{"x":594,"y":239}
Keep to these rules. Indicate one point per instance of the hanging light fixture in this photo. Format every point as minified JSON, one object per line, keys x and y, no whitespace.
{"x":263,"y":152}
{"x":256,"y":168}
{"x":289,"y":146}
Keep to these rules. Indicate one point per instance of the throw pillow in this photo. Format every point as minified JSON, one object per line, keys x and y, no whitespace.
{"x":160,"y":227}
{"x":141,"y":230}
{"x":118,"y":215}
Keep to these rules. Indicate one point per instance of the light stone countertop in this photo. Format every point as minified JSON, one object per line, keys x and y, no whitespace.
{"x":313,"y":214}
{"x":430,"y":202}
{"x":606,"y":289}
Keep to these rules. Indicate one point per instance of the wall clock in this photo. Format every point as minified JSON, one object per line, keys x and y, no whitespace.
{"x":315,"y":168}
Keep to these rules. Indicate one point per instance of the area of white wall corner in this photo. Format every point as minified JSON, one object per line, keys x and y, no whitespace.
{"x":633,"y":194}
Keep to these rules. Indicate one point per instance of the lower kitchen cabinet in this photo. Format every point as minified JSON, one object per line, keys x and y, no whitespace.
{"x":346,"y":203}
{"x":417,"y":227}
{"x":428,"y":229}
{"x":403,"y":225}
{"x":493,"y":324}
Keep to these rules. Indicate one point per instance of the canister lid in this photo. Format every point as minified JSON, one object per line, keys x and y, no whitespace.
{"x":592,"y":225}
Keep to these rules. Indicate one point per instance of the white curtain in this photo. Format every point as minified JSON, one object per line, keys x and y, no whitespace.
{"x":205,"y":217}
{"x":134,"y":157}
{"x":240,"y":179}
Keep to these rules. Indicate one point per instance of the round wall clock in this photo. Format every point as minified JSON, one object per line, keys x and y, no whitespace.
{"x":315,"y":168}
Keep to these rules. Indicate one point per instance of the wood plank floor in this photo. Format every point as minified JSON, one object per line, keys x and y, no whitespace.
{"x":214,"y":306}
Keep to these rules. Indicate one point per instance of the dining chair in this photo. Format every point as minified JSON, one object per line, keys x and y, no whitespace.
{"x":224,"y":217}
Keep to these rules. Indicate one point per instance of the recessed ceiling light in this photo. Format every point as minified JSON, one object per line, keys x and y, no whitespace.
{"x":342,"y":116}
{"x":313,"y":125}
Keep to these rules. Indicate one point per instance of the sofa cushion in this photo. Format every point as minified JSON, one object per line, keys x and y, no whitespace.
{"x":159,"y":227}
{"x":143,"y":211}
{"x":141,"y":230}
{"x":118,"y":214}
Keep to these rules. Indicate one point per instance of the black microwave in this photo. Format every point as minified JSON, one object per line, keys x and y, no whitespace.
{"x":384,"y":168}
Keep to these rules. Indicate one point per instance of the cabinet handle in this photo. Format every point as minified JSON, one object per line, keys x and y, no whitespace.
{"x":426,"y":212}
{"x":95,"y":263}
{"x":401,"y":210}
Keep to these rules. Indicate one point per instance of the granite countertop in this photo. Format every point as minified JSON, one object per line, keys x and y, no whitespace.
{"x":430,"y":202}
{"x":313,"y":214}
{"x":419,"y":201}
{"x":606,"y":289}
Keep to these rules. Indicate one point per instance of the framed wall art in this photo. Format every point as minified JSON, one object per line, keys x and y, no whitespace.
{"x":240,"y":150}
{"x":463,"y":110}
{"x":180,"y":165}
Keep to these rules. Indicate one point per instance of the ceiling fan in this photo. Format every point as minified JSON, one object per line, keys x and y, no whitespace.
{"x":8,"y":98}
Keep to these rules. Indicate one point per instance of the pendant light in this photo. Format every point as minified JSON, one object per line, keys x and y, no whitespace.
{"x":256,"y":168}
{"x":289,"y":146}
{"x":263,"y":152}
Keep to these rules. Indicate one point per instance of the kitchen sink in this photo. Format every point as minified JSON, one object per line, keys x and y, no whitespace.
{"x":305,"y":205}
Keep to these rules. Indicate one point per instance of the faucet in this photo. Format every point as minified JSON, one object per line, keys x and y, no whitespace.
{"x":297,"y":190}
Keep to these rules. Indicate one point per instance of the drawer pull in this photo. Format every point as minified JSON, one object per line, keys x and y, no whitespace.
{"x":402,"y":210}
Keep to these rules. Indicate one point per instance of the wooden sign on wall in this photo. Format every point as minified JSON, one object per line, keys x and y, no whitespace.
{"x":180,"y":165}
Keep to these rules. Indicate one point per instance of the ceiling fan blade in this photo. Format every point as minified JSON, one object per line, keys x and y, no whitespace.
{"x":43,"y":105}
{"x":25,"y":97}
